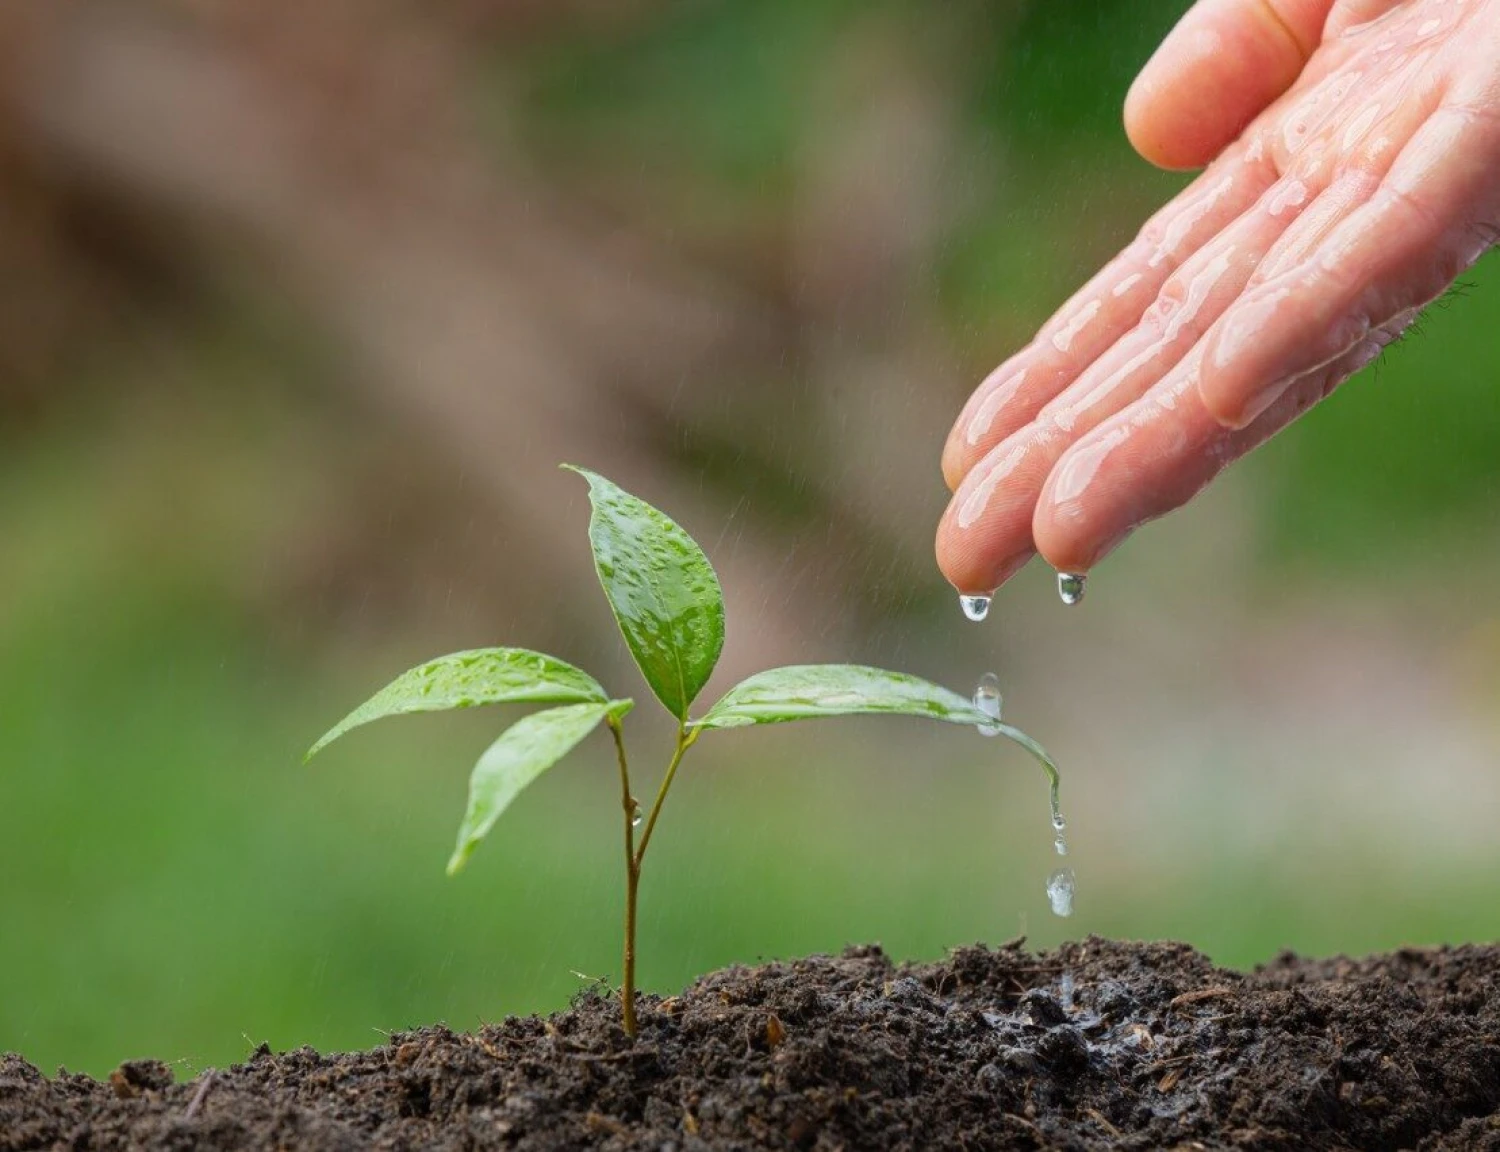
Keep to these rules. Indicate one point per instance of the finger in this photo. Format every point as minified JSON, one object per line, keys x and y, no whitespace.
{"x":1397,"y":251}
{"x":985,"y":535}
{"x":1224,"y":62}
{"x":1157,"y":455}
{"x":1343,"y":140}
{"x":1189,"y":302}
{"x":1101,"y":311}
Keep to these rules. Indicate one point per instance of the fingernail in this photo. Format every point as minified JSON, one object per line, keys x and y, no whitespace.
{"x":1252,"y":408}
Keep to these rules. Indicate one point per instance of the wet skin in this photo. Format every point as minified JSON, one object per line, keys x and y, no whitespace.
{"x":1353,"y":153}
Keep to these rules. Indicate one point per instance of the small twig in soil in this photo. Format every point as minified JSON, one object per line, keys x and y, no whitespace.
{"x":196,"y":1102}
{"x":1202,"y":994}
{"x":1027,"y":1124}
{"x":1099,"y":1118}
{"x":598,"y":1122}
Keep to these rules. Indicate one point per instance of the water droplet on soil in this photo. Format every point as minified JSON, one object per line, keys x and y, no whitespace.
{"x":976,"y":608}
{"x":988,"y":700}
{"x":1070,"y":586}
{"x":1060,"y":892}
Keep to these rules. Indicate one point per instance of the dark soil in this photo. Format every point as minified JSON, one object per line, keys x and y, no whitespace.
{"x":1097,"y":1045}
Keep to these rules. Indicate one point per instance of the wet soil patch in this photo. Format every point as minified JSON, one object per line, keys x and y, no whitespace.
{"x":1097,"y":1045}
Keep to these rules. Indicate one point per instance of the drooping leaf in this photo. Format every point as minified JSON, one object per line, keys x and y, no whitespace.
{"x":805,"y":691}
{"x":662,"y":590}
{"x":523,"y":752}
{"x":467,"y":679}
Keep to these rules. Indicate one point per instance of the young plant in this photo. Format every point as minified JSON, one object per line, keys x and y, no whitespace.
{"x":666,"y":598}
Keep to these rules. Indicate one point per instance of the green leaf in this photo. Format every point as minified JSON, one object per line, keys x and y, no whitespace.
{"x":467,"y":679}
{"x":526,"y":750}
{"x":804,"y":691}
{"x":662,"y":590}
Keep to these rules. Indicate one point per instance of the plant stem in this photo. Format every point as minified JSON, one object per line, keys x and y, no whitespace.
{"x":634,"y":855}
{"x":632,"y":879}
{"x":685,"y":740}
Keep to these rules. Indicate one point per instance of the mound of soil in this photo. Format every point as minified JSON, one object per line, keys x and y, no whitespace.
{"x":1097,"y":1045}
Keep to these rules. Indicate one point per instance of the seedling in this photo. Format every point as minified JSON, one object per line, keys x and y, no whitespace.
{"x":667,"y":601}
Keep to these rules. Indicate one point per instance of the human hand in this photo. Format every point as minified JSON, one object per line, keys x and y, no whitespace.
{"x":1368,"y":178}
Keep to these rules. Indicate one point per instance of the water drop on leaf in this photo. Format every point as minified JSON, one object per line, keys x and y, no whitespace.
{"x":988,"y":700}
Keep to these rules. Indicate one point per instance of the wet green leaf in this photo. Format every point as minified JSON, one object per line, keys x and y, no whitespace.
{"x":526,"y":750}
{"x":804,"y":691}
{"x":662,"y":590}
{"x":467,"y":679}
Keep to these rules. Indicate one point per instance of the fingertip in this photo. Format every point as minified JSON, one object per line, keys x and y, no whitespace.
{"x":1076,"y":522}
{"x":1223,"y":63}
{"x":1156,"y":130}
{"x":1227,"y":410}
{"x":1073,"y":540}
{"x":969,"y":565}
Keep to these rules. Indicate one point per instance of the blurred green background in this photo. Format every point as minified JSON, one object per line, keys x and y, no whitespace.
{"x":300,"y":305}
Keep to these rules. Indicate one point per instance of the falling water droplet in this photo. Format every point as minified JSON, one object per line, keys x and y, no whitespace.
{"x":976,"y":608}
{"x":1065,"y":991}
{"x":1061,"y":845}
{"x":1058,"y":823}
{"x":988,"y":700}
{"x":635,"y":814}
{"x":1070,"y":586}
{"x":1060,"y":892}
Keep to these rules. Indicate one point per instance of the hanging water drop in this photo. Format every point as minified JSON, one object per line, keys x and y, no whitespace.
{"x":976,"y":608}
{"x":1070,"y":586}
{"x":1059,"y":825}
{"x":635,"y":814}
{"x":988,"y":700}
{"x":1060,"y":892}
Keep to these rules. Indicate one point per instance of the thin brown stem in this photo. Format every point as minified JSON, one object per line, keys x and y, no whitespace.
{"x":635,"y":854}
{"x":632,"y":879}
{"x":685,"y":740}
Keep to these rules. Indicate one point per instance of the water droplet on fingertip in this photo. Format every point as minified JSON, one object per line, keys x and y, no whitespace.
{"x":976,"y":608}
{"x":1070,"y":586}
